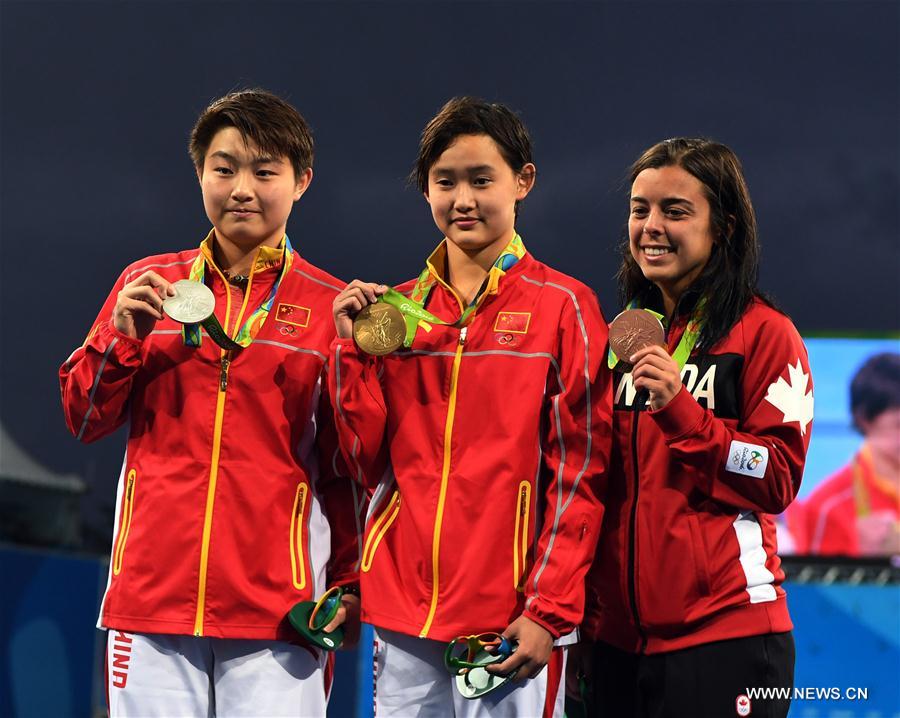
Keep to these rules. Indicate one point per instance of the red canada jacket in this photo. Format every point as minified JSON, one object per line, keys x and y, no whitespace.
{"x":687,"y":553}
{"x":487,"y":447}
{"x":230,"y":505}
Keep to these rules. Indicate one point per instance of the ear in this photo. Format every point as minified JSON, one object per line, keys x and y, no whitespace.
{"x":729,"y":227}
{"x":303,"y":182}
{"x":427,"y":198}
{"x":525,"y":180}
{"x":199,"y":170}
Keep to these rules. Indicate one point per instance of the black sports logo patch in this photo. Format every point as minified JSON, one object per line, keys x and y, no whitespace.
{"x":713,"y":380}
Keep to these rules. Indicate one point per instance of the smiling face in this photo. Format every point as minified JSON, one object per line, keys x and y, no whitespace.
{"x":669,"y":229}
{"x":473,"y":192}
{"x":247,"y":195}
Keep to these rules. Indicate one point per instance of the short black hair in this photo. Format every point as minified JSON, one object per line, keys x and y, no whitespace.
{"x":472,"y":116}
{"x":273,"y":124}
{"x":875,"y":388}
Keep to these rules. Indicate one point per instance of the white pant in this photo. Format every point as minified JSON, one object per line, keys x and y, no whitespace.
{"x":411,"y":681}
{"x":169,"y":675}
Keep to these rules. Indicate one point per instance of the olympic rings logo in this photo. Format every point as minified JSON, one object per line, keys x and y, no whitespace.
{"x":506,"y":339}
{"x":287,"y":330}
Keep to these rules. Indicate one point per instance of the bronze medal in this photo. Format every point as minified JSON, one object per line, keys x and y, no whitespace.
{"x":379,"y":329}
{"x":633,"y":330}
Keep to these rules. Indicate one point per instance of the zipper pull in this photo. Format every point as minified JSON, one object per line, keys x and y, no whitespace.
{"x":223,"y":377}
{"x":462,"y":335}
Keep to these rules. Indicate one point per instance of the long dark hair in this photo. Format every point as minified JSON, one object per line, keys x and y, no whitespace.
{"x":728,"y":281}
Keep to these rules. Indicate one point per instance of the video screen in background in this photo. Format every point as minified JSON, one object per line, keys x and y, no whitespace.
{"x":848,"y":502}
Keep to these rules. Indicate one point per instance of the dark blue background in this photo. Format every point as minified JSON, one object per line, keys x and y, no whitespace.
{"x":99,"y":97}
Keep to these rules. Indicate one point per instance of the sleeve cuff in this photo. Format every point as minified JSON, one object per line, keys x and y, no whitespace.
{"x":348,"y":346}
{"x":679,"y":417}
{"x":109,"y":329}
{"x":552,"y":630}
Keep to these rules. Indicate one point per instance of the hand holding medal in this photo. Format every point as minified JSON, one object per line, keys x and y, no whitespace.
{"x":381,"y":319}
{"x":194,"y":304}
{"x":633,"y":330}
{"x":373,"y":326}
{"x":638,"y":337}
{"x":139,"y":304}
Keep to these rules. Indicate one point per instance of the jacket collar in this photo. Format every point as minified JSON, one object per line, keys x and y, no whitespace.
{"x":436,"y":265}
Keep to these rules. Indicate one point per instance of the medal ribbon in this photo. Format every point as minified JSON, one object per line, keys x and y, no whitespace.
{"x":190,"y":333}
{"x":685,"y":345}
{"x":413,"y":310}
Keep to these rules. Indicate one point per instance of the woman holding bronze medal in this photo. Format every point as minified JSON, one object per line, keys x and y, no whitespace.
{"x":474,"y":402}
{"x":711,"y":428}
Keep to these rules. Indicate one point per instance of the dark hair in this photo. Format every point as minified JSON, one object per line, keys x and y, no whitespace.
{"x":471,"y":116}
{"x":875,"y":388}
{"x":271,"y":123}
{"x":728,"y":281}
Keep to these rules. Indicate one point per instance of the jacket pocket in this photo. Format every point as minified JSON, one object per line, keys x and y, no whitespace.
{"x":124,"y":522}
{"x":298,"y":521}
{"x":378,"y":530}
{"x":520,"y":539}
{"x":698,"y":549}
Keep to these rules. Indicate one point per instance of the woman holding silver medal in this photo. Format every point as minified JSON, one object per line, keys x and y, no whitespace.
{"x":231,"y":513}
{"x":712,"y":414}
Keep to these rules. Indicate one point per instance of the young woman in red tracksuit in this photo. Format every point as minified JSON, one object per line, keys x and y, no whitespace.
{"x":231,"y":506}
{"x":485,"y":441}
{"x":684,"y":599}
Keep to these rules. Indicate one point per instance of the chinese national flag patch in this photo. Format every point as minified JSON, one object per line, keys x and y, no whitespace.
{"x":292,"y":314}
{"x":512,"y":322}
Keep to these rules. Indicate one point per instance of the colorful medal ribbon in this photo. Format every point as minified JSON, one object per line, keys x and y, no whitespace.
{"x":685,"y":345}
{"x":413,"y":307}
{"x":190,"y":333}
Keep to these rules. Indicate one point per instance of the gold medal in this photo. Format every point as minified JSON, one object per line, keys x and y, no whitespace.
{"x":379,"y":329}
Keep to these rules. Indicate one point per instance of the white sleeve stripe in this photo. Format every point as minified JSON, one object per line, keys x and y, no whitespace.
{"x":157,"y":266}
{"x":94,"y":388}
{"x":561,"y":505}
{"x":318,"y":281}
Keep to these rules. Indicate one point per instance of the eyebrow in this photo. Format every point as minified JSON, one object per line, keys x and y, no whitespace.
{"x":666,"y":201}
{"x":259,"y":160}
{"x":471,"y":170}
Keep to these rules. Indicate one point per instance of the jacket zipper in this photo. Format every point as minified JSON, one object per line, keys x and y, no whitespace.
{"x":445,"y":475}
{"x":125,"y":522}
{"x":378,"y":530}
{"x":632,"y":534}
{"x":298,"y":563}
{"x":225,"y":363}
{"x":520,"y":547}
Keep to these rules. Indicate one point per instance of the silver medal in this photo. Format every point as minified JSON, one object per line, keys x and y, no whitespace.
{"x":193,"y":302}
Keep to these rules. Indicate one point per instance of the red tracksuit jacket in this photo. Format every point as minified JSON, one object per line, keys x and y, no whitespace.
{"x":230,"y":505}
{"x":687,"y":553}
{"x":488,"y":446}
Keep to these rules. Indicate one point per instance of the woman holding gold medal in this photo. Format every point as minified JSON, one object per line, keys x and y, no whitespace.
{"x":475,"y":403}
{"x":711,"y":428}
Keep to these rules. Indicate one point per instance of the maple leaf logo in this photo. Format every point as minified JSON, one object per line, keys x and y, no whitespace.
{"x":791,"y":398}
